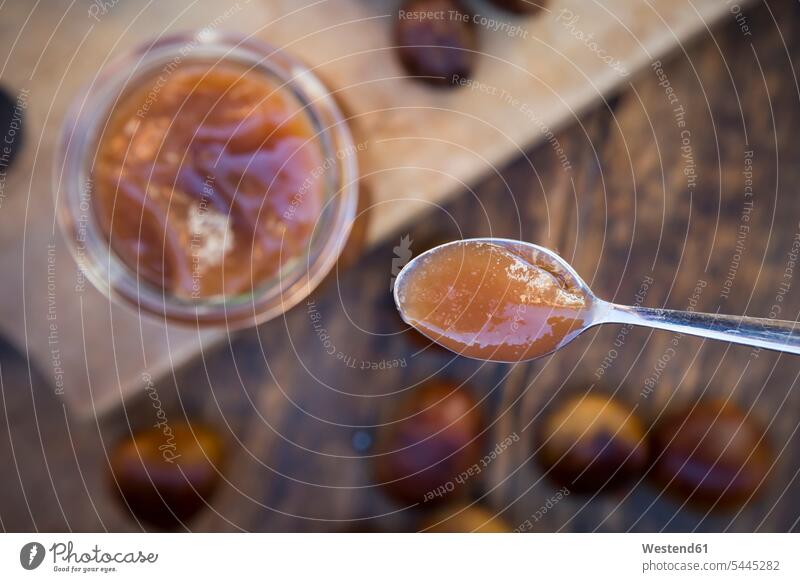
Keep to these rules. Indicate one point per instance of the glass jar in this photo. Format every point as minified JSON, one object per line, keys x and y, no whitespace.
{"x":91,"y":248}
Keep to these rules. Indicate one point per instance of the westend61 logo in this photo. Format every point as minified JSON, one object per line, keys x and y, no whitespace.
{"x":66,"y":559}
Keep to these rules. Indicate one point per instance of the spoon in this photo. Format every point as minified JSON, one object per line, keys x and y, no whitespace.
{"x":505,"y":300}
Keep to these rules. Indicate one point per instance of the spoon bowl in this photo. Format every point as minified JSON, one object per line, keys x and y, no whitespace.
{"x":494,"y":299}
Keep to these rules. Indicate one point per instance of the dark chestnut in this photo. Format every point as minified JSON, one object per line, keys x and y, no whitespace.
{"x":420,"y":457}
{"x":11,"y":127}
{"x":167,"y":475}
{"x":712,"y":454}
{"x":591,"y":443}
{"x":520,"y":6}
{"x":435,"y":40}
{"x":464,"y":519}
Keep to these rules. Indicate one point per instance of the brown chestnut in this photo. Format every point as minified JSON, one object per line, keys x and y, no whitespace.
{"x":520,"y":6}
{"x":591,"y":443}
{"x":464,"y":519}
{"x":166,"y":475}
{"x":420,"y":457}
{"x":712,"y":454}
{"x":435,"y":40}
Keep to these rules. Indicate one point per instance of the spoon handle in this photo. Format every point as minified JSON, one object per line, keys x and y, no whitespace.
{"x":771,"y":334}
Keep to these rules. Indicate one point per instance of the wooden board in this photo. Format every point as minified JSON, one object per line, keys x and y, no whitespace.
{"x":420,"y":145}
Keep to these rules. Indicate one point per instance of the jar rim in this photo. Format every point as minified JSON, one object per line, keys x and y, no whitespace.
{"x":295,"y":278}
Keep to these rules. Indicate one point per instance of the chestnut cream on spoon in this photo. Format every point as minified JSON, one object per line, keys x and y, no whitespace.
{"x":507,"y":301}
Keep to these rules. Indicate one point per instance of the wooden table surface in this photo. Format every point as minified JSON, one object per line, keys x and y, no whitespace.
{"x":646,"y":192}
